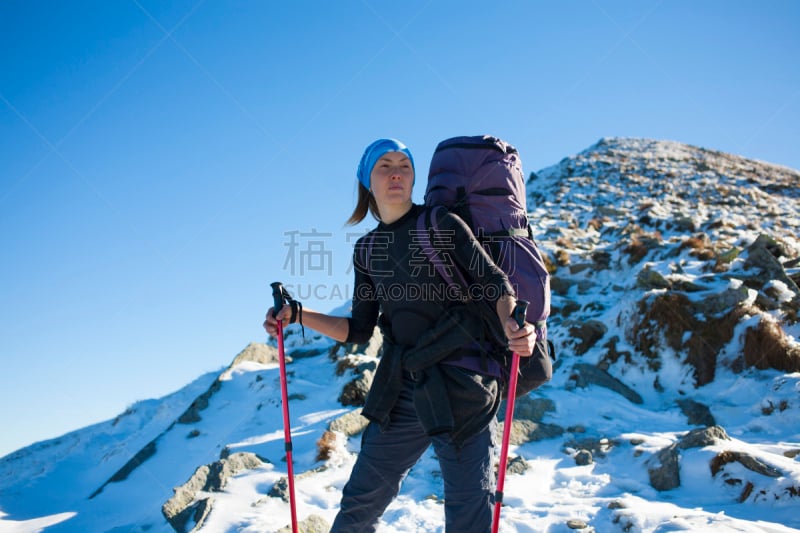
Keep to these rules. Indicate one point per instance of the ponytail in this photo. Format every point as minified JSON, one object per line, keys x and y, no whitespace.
{"x":366,"y":202}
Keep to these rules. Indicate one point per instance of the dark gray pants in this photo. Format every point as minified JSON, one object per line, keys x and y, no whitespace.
{"x":386,"y":458}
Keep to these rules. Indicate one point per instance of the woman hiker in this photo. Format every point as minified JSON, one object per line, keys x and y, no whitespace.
{"x":450,"y":403}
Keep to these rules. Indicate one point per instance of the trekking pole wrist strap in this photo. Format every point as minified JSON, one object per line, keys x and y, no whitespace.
{"x":297,"y":313}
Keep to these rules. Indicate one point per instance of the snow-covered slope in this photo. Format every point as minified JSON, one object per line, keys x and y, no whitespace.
{"x":675,"y":404}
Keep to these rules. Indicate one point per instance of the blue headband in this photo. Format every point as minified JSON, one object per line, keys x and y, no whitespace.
{"x":374,"y":152}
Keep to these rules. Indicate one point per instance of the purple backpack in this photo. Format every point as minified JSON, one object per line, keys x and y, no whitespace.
{"x":480,"y":179}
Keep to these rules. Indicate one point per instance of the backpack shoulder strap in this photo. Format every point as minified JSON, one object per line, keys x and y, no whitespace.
{"x":427,"y":226}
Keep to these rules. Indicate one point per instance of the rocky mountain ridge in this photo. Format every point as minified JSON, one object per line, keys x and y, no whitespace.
{"x":685,"y":221}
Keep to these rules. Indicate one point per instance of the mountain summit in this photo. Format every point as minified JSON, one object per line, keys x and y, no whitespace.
{"x":674,"y":406}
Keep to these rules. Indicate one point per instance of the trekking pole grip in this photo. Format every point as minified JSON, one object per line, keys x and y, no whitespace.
{"x":277,"y":297}
{"x":519,"y":311}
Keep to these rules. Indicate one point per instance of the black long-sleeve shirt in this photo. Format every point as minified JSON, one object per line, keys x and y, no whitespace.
{"x":394,"y":276}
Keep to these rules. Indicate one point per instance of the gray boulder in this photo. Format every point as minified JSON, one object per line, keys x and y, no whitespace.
{"x":586,"y":375}
{"x":187,"y":507}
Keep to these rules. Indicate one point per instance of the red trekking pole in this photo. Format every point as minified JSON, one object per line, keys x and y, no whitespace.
{"x":278,"y":295}
{"x":519,"y":315}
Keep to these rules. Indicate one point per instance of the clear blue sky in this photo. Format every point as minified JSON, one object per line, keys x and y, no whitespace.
{"x":158,"y":160}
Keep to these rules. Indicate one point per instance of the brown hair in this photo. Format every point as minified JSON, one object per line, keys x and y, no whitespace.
{"x":366,"y":202}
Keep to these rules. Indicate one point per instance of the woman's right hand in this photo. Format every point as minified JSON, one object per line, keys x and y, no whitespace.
{"x":521,"y":340}
{"x":271,"y":323}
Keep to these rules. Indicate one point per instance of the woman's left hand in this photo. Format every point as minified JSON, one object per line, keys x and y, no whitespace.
{"x":520,"y":340}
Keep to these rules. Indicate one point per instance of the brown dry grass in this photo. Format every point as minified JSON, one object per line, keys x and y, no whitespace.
{"x":700,"y":246}
{"x":325,"y":444}
{"x":721,"y":459}
{"x":670,"y":316}
{"x":640,"y":244}
{"x":696,"y":242}
{"x":767,"y":346}
{"x":565,"y":242}
{"x":549,"y":264}
{"x":596,"y":224}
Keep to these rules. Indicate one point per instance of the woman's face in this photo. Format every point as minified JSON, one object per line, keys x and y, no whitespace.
{"x":392,"y":179}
